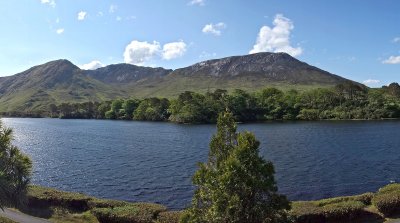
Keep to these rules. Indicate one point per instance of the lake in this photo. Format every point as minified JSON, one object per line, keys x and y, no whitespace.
{"x":154,"y":162}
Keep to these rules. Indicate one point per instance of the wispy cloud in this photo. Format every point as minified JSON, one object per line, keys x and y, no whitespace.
{"x":82,"y":15}
{"x":197,"y":2}
{"x":113,"y":8}
{"x":277,"y":38}
{"x":396,"y":40}
{"x":215,"y":29}
{"x":52,"y":3}
{"x":371,"y":82}
{"x":392,"y":60}
{"x":60,"y":31}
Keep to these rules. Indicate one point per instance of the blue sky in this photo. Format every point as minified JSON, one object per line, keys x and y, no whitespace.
{"x":357,"y":39}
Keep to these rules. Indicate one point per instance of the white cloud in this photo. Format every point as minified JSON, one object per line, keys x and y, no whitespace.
{"x":371,"y":82}
{"x":58,"y":20}
{"x":118,"y":18}
{"x":215,"y":29}
{"x":392,"y":60}
{"x":92,"y":65}
{"x":82,"y":15}
{"x":60,"y":31}
{"x":100,"y":13}
{"x":173,"y":50}
{"x":52,"y":3}
{"x":277,"y":38}
{"x":112,"y":8}
{"x":396,"y":40}
{"x":197,"y":2}
{"x":138,"y":52}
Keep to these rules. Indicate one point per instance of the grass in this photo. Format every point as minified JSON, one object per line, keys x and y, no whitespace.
{"x":6,"y":220}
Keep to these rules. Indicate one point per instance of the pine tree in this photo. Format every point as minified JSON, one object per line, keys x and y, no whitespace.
{"x":236,"y":185}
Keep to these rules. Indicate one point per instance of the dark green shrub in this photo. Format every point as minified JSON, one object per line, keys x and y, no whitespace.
{"x":169,"y":217}
{"x":44,"y":197}
{"x":6,"y":220}
{"x":306,"y":212}
{"x":346,"y":210}
{"x":387,"y":200}
{"x":105,"y":203}
{"x":363,"y":198}
{"x":133,"y":213}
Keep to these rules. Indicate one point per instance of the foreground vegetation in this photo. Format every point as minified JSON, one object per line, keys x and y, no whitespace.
{"x":345,"y":101}
{"x":15,"y":170}
{"x":236,"y":184}
{"x":60,"y":206}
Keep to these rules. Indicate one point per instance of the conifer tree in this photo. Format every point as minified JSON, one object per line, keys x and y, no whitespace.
{"x":236,"y":185}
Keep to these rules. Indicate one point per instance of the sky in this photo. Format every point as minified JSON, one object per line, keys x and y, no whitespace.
{"x":356,"y":39}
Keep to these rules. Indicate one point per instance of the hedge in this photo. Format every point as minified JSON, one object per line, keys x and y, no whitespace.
{"x":387,"y":200}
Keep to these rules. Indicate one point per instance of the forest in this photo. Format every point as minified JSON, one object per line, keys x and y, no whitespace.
{"x":342,"y":102}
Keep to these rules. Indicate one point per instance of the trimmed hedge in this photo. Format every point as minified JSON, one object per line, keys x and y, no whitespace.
{"x":387,"y":200}
{"x":133,"y":213}
{"x":45,"y":197}
{"x":339,"y":208}
{"x":169,"y":217}
{"x":104,"y":210}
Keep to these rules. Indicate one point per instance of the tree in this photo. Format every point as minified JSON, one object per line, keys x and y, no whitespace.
{"x":15,"y":170}
{"x":236,"y":185}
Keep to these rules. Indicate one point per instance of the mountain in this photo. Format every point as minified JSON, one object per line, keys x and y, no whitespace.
{"x":61,"y":81}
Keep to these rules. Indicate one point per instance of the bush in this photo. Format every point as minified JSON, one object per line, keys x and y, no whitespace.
{"x":338,"y":208}
{"x":306,"y":211}
{"x":363,"y":198}
{"x":169,"y":217}
{"x":387,"y":200}
{"x":344,"y":210}
{"x":44,"y":197}
{"x":133,"y":213}
{"x":6,"y":220}
{"x":106,"y":203}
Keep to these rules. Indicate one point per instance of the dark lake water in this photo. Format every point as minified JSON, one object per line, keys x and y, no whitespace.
{"x":154,"y":162}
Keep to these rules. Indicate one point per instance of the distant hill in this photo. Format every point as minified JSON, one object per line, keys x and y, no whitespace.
{"x":61,"y":81}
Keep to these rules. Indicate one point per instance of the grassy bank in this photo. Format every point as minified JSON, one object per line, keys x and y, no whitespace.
{"x":60,"y":206}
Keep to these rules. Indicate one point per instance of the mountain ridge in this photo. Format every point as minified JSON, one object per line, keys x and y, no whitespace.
{"x":61,"y":81}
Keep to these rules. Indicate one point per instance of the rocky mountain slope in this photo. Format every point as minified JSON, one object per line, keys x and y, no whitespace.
{"x":61,"y":81}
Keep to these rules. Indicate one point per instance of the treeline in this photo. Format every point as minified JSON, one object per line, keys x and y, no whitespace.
{"x":345,"y":101}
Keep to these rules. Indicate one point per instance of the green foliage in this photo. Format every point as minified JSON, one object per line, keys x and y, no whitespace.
{"x":105,"y":210}
{"x":138,"y":212}
{"x":387,"y":200}
{"x":339,"y":208}
{"x":42,"y":196}
{"x":345,"y":101}
{"x":236,"y":184}
{"x":152,"y":109}
{"x":343,"y":210}
{"x":169,"y":217}
{"x":15,"y":171}
{"x":6,"y":220}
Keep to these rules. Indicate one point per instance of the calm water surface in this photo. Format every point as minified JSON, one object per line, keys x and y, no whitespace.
{"x":154,"y":162}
